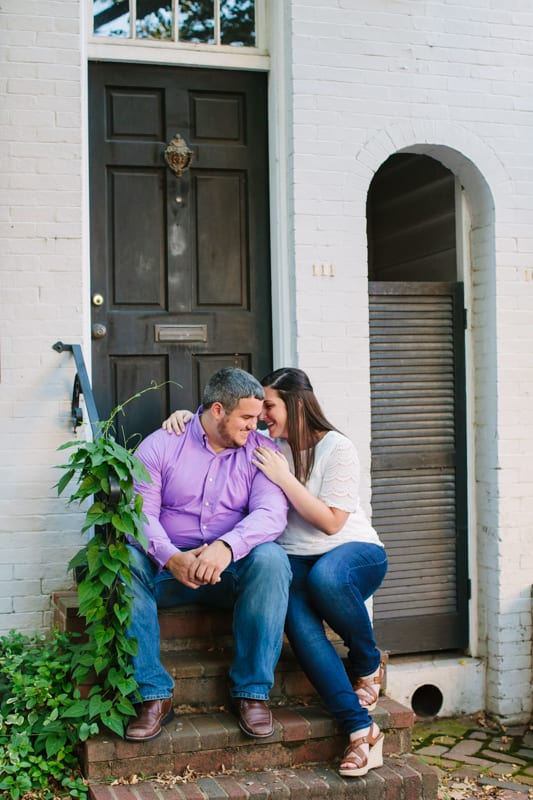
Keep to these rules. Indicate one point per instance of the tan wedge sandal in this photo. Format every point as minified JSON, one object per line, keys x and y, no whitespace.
{"x":367,"y":689}
{"x":355,"y":762}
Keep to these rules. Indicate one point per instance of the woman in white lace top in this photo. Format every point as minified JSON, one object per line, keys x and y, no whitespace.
{"x":336,"y":556}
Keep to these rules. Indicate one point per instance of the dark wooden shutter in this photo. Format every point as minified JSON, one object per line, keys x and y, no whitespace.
{"x":418,"y":463}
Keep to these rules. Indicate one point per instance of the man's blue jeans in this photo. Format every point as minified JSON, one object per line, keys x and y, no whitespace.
{"x":333,"y":587}
{"x":256,"y":587}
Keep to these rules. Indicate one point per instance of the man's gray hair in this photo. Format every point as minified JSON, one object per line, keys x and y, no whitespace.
{"x":228,"y":386}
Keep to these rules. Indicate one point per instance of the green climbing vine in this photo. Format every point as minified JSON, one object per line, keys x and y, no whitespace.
{"x":103,"y":472}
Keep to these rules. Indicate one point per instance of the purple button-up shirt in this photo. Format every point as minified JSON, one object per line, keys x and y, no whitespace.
{"x":197,"y":495}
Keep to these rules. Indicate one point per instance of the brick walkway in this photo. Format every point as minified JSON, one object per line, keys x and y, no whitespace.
{"x":477,"y":758}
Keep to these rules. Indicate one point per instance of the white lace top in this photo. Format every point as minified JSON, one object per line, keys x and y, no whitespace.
{"x":335,"y":480}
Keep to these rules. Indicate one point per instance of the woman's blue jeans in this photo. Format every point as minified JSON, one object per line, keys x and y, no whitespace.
{"x":256,"y":587}
{"x":333,"y":587}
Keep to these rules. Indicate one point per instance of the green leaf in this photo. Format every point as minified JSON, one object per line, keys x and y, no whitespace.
{"x":106,"y":577}
{"x":65,"y":480}
{"x":102,"y":634}
{"x":112,"y":564}
{"x":120,"y":552}
{"x":139,"y":472}
{"x":130,"y":646}
{"x":85,"y":731}
{"x":125,"y":706}
{"x":127,"y":686}
{"x":93,"y":556}
{"x":123,"y":472}
{"x":100,"y":664}
{"x":79,"y":559}
{"x":95,"y":613}
{"x":114,"y":722}
{"x":123,"y":524}
{"x":97,"y":515}
{"x":88,"y":592}
{"x":68,"y":444}
{"x":98,"y":457}
{"x":76,"y":710}
{"x":104,"y":484}
{"x":54,"y":744}
{"x":98,"y":706}
{"x":88,"y":485}
{"x":121,"y":614}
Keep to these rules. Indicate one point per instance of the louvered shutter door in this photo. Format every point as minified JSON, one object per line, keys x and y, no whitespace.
{"x":418,"y":464}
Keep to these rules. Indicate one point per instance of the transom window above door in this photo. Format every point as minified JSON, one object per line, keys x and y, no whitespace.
{"x":219,"y":23}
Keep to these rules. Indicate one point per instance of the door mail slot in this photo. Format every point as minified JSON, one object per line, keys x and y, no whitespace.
{"x":180,"y":333}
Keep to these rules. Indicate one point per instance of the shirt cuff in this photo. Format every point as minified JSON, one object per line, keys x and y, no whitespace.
{"x":236,"y":545}
{"x":161,"y":552}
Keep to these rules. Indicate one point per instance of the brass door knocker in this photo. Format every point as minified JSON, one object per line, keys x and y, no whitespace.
{"x":178,"y":155}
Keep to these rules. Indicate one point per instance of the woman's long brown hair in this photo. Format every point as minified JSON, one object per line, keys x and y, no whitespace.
{"x":305,"y":418}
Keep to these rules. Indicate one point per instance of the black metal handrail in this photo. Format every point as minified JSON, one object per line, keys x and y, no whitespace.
{"x":82,"y":386}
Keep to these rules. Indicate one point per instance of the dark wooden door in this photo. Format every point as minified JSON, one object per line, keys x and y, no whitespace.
{"x":180,"y":276}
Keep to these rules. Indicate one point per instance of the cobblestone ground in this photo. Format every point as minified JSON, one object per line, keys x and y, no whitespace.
{"x":477,"y":758}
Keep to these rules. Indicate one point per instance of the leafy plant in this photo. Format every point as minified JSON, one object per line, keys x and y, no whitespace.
{"x":104,"y":471}
{"x":44,"y":713}
{"x":42,"y":718}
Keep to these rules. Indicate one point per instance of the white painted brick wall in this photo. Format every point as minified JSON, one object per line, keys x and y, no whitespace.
{"x":41,"y":291}
{"x":368,"y":79}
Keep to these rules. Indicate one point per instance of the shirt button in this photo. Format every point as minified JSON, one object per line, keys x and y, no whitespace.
{"x":207,"y":502}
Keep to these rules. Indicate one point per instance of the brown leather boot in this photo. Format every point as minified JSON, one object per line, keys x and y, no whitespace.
{"x":151,"y":715}
{"x":255,"y":717}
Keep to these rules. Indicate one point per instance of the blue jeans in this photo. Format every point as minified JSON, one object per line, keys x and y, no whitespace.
{"x":256,"y":587}
{"x":333,"y":587}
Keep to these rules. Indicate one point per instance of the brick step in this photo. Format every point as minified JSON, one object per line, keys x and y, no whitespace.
{"x":189,"y":627}
{"x":202,"y":753}
{"x":196,"y":649}
{"x":206,"y":742}
{"x":400,"y":778}
{"x":201,"y":678}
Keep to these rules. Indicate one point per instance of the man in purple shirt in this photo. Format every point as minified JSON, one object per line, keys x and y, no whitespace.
{"x":212,"y":518}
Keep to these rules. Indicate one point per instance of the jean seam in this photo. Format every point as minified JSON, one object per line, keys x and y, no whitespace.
{"x":155,"y":697}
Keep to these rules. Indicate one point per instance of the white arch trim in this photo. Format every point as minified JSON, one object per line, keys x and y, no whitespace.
{"x":469,"y":157}
{"x":487,"y":187}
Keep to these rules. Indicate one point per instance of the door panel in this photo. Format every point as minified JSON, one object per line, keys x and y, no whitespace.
{"x":137,"y":252}
{"x":181,"y":262}
{"x":419,"y":464}
{"x":220,"y":217}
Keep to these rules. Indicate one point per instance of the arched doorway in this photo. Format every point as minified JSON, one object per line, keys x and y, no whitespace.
{"x":418,"y":446}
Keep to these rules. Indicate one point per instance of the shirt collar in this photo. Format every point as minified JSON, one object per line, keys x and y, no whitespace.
{"x":197,"y":429}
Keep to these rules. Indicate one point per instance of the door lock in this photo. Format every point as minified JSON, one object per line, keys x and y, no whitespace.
{"x":98,"y":299}
{"x":99,"y":331}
